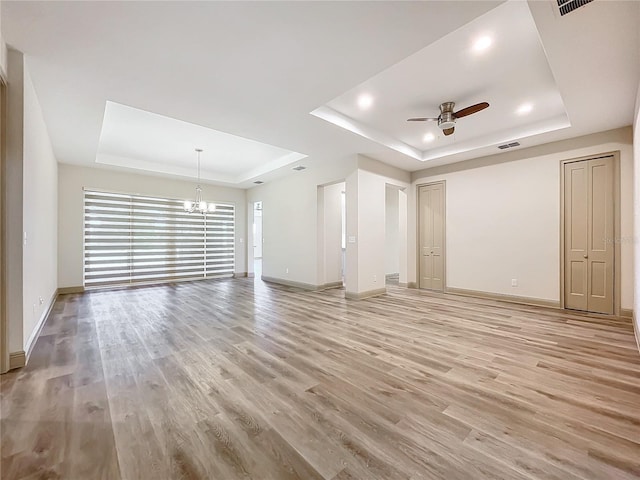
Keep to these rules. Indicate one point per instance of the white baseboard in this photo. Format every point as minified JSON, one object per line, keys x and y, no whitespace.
{"x":363,"y":295}
{"x":21,"y":358}
{"x":17,"y":360}
{"x":301,"y":285}
{"x":290,"y":283}
{"x":503,"y":297}
{"x":636,"y":331}
{"x":65,"y":290}
{"x":28,"y":348}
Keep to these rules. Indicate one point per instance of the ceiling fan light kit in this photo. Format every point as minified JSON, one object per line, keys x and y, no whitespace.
{"x":447,"y":118}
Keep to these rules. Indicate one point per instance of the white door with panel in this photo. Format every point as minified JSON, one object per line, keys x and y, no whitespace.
{"x":431,"y":239}
{"x":588,"y":235}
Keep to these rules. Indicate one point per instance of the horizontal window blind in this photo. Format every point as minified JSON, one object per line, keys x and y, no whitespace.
{"x":131,"y":239}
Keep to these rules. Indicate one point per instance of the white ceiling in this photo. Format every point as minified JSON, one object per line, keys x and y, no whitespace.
{"x":255,"y":70}
{"x":512,"y":72}
{"x":143,"y":140}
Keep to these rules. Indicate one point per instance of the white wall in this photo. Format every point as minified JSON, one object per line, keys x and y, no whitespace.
{"x":366,"y":193}
{"x":30,"y":199}
{"x":392,"y":231}
{"x":369,"y":231}
{"x":40,"y":217}
{"x":503,"y":217}
{"x":403,"y":207}
{"x":332,"y":231}
{"x":71,"y":181}
{"x":257,"y":235}
{"x":290,"y":220}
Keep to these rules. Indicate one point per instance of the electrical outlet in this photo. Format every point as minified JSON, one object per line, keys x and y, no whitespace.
{"x":286,"y":270}
{"x":514,"y":282}
{"x":41,"y":300}
{"x":375,"y":278}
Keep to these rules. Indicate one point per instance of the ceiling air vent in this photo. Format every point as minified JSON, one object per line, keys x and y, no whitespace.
{"x":568,"y":6}
{"x":299,"y":168}
{"x":258,"y":182}
{"x":509,"y":145}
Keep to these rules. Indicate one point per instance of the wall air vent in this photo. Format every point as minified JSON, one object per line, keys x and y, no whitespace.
{"x":568,"y":6}
{"x":299,"y":168}
{"x":258,"y":182}
{"x":509,"y":145}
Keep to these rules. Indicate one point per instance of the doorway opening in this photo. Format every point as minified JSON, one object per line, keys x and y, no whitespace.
{"x":331,"y":235}
{"x":343,"y":219}
{"x":392,"y":235}
{"x":258,"y":239}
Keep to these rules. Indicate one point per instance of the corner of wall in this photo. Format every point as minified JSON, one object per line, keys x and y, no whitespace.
{"x":390,"y":172}
{"x":636,"y":217}
{"x":3,"y":54}
{"x":39,"y":215}
{"x":13,"y":200}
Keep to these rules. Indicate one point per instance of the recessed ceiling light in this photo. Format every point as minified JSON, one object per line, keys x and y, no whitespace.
{"x":524,"y":109}
{"x":482,"y":43}
{"x":365,"y":101}
{"x":429,"y":137}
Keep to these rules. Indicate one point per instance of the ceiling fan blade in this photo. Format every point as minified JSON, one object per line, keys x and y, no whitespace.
{"x":471,"y":110}
{"x":422,"y":119}
{"x":449,"y":131}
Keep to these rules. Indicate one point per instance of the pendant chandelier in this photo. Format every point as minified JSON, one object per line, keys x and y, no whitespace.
{"x":198,"y":205}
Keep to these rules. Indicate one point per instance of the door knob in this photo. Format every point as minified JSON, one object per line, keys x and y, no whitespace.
{"x":586,"y":256}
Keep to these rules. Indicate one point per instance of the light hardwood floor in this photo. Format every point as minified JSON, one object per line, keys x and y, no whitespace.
{"x":231,"y":379}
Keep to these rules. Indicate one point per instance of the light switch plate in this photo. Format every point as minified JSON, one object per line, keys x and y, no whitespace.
{"x":352,"y":239}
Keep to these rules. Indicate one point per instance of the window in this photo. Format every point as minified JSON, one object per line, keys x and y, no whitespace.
{"x":132,"y":239}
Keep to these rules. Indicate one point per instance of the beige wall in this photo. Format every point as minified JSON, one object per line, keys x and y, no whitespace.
{"x":71,"y":181}
{"x":503,"y":217}
{"x":40,"y":217}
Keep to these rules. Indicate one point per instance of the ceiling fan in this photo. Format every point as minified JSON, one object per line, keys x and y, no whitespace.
{"x":447,"y":118}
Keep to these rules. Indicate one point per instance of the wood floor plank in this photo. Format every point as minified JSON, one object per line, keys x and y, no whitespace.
{"x":237,"y":379}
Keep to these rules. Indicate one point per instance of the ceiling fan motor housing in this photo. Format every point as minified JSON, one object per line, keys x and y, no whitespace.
{"x":446,"y":120}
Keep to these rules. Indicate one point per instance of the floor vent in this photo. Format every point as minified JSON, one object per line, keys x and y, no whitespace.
{"x":299,"y":168}
{"x":509,"y":145}
{"x":568,"y":6}
{"x":258,"y":182}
